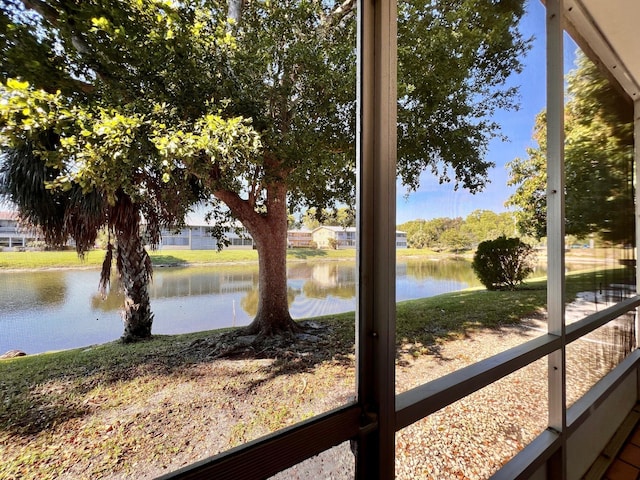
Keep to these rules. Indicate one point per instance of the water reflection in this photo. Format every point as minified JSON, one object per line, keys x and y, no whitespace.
{"x":190,"y":282}
{"x":173,"y":283}
{"x":58,"y":309}
{"x":249,"y":302}
{"x":331,"y":280}
{"x":457,"y":270}
{"x":62,"y":309}
{"x":312,"y":281}
{"x":51,"y":310}
{"x":24,"y":288}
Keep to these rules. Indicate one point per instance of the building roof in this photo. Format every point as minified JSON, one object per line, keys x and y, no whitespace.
{"x":335,"y":229}
{"x":608,"y":33}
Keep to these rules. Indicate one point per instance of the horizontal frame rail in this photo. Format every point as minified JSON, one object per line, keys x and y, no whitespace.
{"x":426,"y":399}
{"x":530,"y":458}
{"x":267,"y":456}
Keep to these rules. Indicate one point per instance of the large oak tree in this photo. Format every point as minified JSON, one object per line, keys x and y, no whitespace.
{"x":289,"y":66}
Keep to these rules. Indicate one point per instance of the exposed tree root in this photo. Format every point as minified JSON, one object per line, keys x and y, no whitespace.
{"x":310,"y":344}
{"x":266,"y":327}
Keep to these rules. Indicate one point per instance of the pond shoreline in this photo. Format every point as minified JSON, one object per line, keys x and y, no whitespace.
{"x":291,"y":258}
{"x":40,"y":304}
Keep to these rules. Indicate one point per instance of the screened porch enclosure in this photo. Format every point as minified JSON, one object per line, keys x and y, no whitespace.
{"x":583,"y":414}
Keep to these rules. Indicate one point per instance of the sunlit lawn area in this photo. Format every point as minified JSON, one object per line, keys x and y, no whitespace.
{"x":69,"y":259}
{"x":64,"y":259}
{"x":30,"y":260}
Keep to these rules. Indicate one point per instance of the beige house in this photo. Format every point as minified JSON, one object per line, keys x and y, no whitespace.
{"x":299,"y":238}
{"x":345,"y":237}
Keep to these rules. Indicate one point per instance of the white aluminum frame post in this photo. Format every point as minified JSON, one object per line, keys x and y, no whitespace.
{"x":555,"y":232}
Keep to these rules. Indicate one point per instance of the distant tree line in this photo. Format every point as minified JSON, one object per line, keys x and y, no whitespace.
{"x":337,"y":217}
{"x":458,"y":234}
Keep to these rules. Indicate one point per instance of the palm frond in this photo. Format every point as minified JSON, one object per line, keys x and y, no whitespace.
{"x":105,"y":273}
{"x":85,"y":216}
{"x":23,"y":178}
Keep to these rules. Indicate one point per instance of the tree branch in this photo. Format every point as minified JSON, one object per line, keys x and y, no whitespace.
{"x":341,"y":11}
{"x":235,"y":10}
{"x":42,"y":9}
{"x":240,"y":208}
{"x":52,"y":16}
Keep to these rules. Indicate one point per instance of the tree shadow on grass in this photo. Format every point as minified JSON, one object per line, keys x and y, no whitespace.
{"x":304,"y":253}
{"x":43,"y":391}
{"x":160,"y":260}
{"x":290,"y":354}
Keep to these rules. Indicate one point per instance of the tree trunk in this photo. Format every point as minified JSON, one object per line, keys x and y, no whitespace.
{"x":235,"y":10}
{"x":134,"y":267}
{"x":269,"y":232}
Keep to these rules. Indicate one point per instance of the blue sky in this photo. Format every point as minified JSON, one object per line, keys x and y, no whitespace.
{"x":433,"y":200}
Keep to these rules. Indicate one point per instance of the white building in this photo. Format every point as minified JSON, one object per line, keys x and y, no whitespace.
{"x":345,"y":237}
{"x":12,"y":235}
{"x":199,"y":237}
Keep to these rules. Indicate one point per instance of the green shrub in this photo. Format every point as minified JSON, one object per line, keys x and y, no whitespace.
{"x":503,"y":263}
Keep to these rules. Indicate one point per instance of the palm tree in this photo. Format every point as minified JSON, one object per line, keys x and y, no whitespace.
{"x":134,"y":267}
{"x":82,"y":215}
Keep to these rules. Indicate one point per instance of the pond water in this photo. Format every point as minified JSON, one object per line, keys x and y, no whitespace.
{"x":60,"y":309}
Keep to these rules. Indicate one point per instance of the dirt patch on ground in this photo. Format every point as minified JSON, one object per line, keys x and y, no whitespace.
{"x":182,"y":404}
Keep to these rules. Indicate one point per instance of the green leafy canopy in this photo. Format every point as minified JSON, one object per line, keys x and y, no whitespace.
{"x":598,"y":163}
{"x":114,"y":149}
{"x":289,"y":67}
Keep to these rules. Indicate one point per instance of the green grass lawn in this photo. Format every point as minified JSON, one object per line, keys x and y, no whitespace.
{"x":69,"y":259}
{"x":66,"y":259}
{"x":93,"y":259}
